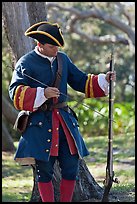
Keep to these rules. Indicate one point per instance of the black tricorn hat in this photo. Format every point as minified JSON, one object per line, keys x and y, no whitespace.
{"x":46,"y":32}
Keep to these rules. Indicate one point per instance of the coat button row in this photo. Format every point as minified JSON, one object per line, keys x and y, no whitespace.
{"x":40,"y":123}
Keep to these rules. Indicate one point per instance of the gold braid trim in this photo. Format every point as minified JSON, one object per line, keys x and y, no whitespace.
{"x":15,"y":97}
{"x":22,"y":94}
{"x":86,"y":87}
{"x":91,"y":87}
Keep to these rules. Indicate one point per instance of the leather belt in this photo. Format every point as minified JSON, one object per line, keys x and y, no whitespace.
{"x":48,"y":107}
{"x":63,"y":105}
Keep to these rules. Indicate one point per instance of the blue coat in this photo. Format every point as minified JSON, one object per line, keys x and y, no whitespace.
{"x":35,"y":142}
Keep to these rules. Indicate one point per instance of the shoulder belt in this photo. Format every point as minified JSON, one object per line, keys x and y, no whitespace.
{"x":59,"y":71}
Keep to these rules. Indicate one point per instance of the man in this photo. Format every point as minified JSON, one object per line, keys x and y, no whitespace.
{"x":52,"y":129}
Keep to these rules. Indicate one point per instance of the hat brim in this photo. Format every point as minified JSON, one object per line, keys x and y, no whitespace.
{"x":40,"y":35}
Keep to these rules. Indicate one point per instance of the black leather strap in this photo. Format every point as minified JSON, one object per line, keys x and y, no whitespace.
{"x":48,"y":103}
{"x":59,"y":71}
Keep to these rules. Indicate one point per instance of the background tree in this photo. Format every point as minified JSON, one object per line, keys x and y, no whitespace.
{"x":90,"y":28}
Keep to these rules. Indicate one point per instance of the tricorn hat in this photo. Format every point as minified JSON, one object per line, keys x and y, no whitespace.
{"x":46,"y":32}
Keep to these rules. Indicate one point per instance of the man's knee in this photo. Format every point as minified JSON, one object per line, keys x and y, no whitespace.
{"x":44,"y":172}
{"x":69,"y":170}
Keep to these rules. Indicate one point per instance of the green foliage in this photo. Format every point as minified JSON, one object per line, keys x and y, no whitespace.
{"x":92,"y":123}
{"x":124,"y":114}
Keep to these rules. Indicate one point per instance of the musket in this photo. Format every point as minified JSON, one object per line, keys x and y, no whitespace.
{"x":109,"y":167}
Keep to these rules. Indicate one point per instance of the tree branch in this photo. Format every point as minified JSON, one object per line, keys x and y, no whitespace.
{"x":77,"y":15}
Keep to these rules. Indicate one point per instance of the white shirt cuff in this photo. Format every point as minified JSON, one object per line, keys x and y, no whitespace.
{"x":40,"y":98}
{"x":104,"y":85}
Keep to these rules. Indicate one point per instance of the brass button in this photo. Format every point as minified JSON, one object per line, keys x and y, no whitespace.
{"x":56,"y":145}
{"x":57,"y":112}
{"x":40,"y":123}
{"x":57,"y":128}
{"x":47,"y":150}
{"x":74,"y":124}
{"x":48,"y":140}
{"x":49,"y":130}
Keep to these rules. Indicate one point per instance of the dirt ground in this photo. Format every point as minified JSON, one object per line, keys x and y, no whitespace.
{"x":118,"y":197}
{"x":130,"y":197}
{"x":115,"y":196}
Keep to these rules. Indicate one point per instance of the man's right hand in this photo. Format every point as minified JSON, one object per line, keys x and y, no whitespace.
{"x":51,"y":92}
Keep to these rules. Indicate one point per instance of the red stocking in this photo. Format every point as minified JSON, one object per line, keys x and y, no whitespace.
{"x":66,"y":190}
{"x":46,"y":191}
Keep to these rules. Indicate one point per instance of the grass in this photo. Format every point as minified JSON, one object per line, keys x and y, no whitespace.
{"x":123,"y":164}
{"x":17,"y":181}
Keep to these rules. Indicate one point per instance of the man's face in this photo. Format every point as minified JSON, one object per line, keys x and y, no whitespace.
{"x":48,"y":49}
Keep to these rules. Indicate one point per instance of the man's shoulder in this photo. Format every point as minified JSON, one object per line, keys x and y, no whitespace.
{"x":63,"y":55}
{"x":25,"y":60}
{"x":26,"y":57}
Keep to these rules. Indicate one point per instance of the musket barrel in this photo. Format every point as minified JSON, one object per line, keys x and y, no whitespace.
{"x":109,"y":168}
{"x":111,"y":104}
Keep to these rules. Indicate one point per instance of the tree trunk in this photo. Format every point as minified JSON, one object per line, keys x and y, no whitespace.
{"x":9,"y":112}
{"x":17,"y":18}
{"x":7,"y":142}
